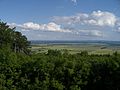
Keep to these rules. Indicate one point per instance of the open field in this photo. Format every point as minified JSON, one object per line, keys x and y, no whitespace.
{"x":76,"y":48}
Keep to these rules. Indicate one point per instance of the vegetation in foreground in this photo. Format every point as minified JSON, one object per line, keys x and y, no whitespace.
{"x":22,"y":70}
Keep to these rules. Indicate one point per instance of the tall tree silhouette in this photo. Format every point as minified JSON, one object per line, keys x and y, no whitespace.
{"x":14,"y":39}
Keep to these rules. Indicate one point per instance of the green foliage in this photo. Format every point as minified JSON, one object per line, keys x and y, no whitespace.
{"x":58,"y":72}
{"x":14,"y":39}
{"x":84,"y":53}
{"x":54,"y":52}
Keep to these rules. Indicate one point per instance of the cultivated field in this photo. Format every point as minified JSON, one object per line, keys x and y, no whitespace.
{"x":76,"y":48}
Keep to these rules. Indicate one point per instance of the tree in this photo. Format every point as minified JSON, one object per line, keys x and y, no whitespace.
{"x":14,"y":39}
{"x":20,"y":43}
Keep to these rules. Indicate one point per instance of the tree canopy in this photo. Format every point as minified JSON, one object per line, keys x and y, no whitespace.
{"x":13,"y":39}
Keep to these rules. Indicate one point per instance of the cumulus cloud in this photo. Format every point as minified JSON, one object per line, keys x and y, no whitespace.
{"x":102,"y":18}
{"x":44,"y":27}
{"x":83,"y":24}
{"x":55,"y":28}
{"x":95,"y":33}
{"x":97,"y":18}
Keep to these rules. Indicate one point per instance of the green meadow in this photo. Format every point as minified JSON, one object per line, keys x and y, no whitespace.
{"x":76,"y":48}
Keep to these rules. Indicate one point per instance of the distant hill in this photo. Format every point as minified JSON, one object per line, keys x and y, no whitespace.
{"x":111,"y":43}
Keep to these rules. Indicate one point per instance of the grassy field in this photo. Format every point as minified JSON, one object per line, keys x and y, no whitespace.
{"x":92,"y":49}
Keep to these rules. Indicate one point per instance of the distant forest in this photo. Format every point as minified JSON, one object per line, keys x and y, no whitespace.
{"x":21,"y":69}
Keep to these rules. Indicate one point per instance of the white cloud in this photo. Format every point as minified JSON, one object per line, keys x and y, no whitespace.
{"x":95,"y":33}
{"x":118,"y":30}
{"x":79,"y":18}
{"x":44,"y":27}
{"x":118,"y":25}
{"x":103,"y":18}
{"x":55,"y":28}
{"x":97,"y":18}
{"x":82,"y":24}
{"x":74,"y":1}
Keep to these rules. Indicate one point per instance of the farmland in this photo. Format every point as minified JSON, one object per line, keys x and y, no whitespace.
{"x":73,"y":48}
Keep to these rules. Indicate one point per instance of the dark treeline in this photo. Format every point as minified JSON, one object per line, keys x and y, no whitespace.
{"x":22,"y":70}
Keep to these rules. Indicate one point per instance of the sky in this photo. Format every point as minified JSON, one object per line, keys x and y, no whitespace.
{"x":63,"y":19}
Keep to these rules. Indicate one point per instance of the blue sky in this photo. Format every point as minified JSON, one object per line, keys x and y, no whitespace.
{"x":63,"y":19}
